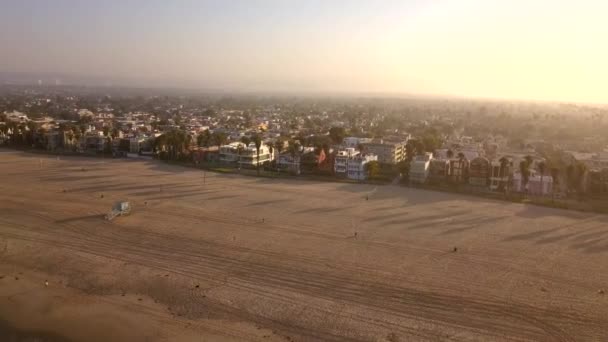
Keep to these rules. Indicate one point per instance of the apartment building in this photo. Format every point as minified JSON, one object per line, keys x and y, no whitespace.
{"x":388,"y":152}
{"x":419,"y":168}
{"x":243,"y":155}
{"x":356,"y":168}
{"x":351,"y":164}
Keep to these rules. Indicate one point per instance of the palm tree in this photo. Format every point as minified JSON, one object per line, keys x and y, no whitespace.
{"x":12,"y":127}
{"x":204,"y":138}
{"x":541,"y":169}
{"x":219,"y":139}
{"x":555,"y":175}
{"x":571,"y":177}
{"x":41,"y":138}
{"x":360,"y":147}
{"x":502,"y":172}
{"x":108,"y":147}
{"x":70,"y":135}
{"x":31,"y":128}
{"x":188,"y":141}
{"x":239,"y":150}
{"x":160,"y":143}
{"x":294,"y":150}
{"x":271,"y":151}
{"x":246,"y":140}
{"x":115,"y":133}
{"x":525,"y":174}
{"x":278,"y":145}
{"x":449,"y":154}
{"x":77,"y":136}
{"x":581,"y":170}
{"x":257,"y":140}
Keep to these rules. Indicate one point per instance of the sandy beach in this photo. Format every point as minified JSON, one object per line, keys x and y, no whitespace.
{"x":234,"y":258}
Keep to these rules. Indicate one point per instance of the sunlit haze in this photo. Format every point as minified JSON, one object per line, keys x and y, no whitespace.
{"x":549,"y":50}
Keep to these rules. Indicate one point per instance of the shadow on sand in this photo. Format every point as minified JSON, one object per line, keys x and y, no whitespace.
{"x":9,"y":333}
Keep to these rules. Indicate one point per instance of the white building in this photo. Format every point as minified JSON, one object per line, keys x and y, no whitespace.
{"x":388,"y":152}
{"x":246,"y":156}
{"x":419,"y":168}
{"x":230,"y":153}
{"x":341,"y":160}
{"x":351,"y":163}
{"x":357,"y":164}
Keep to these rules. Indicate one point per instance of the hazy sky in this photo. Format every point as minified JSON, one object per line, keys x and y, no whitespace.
{"x":532,"y":49}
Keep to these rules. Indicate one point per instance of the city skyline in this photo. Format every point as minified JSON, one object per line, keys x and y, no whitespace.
{"x":490,"y":49}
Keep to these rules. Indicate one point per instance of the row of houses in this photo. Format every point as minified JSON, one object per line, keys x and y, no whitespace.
{"x":348,"y":163}
{"x":497,"y":174}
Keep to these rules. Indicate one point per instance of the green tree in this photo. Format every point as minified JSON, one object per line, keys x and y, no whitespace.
{"x":219,"y":139}
{"x":420,"y":148}
{"x":404,"y":170}
{"x":431,"y":142}
{"x":373,"y":169}
{"x":337,"y":134}
{"x":203,"y":139}
{"x":410,"y":150}
{"x":246,"y":140}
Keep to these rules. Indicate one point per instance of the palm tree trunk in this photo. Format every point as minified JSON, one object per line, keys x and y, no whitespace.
{"x":542,"y":191}
{"x":258,"y":163}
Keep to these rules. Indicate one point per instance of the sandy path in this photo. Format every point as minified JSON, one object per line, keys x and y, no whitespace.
{"x":240,"y":258}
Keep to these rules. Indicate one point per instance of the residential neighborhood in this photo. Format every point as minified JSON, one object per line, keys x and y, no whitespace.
{"x":363,"y":142}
